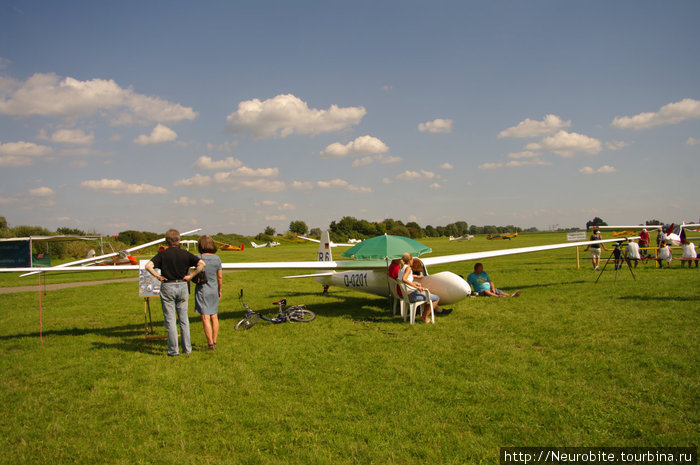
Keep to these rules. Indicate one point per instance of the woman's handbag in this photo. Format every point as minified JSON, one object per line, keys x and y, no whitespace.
{"x":200,"y":278}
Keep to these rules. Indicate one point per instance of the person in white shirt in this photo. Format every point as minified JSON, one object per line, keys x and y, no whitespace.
{"x":664,"y":254}
{"x":633,"y":252}
{"x":690,"y":255}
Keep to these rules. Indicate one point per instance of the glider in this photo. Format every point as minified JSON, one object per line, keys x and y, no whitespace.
{"x":501,"y":236}
{"x":674,"y":232}
{"x":368,"y":276}
{"x":466,"y":237}
{"x":269,"y":244}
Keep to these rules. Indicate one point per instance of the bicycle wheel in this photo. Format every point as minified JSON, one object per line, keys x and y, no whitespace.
{"x":247,"y":322}
{"x":302,"y":316}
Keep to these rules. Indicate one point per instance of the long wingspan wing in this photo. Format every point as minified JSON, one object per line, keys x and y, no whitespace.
{"x":100,"y":257}
{"x":464,"y":257}
{"x":333,"y":244}
{"x":636,"y":227}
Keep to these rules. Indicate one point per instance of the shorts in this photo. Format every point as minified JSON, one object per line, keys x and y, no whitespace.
{"x":417,"y":296}
{"x":483,"y":293}
{"x":596,"y":253}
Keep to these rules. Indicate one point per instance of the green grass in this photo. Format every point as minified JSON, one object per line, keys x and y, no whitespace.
{"x":568,"y":363}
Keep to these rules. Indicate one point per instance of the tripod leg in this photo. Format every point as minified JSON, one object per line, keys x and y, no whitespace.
{"x":604,"y":266}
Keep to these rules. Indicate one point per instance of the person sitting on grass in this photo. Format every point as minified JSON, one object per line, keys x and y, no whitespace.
{"x":483,"y":286}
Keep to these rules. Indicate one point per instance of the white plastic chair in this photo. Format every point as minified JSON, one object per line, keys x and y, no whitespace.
{"x":396,"y":299}
{"x":413,"y":306}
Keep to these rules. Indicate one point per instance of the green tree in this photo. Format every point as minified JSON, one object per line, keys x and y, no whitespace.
{"x":298,"y":227}
{"x":269,"y":231}
{"x":315,"y":232}
{"x":3,"y":222}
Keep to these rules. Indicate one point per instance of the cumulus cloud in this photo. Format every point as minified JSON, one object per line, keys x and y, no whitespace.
{"x":275,"y":218}
{"x":363,"y":145}
{"x":523,"y":154}
{"x":42,"y":192}
{"x":490,"y":166}
{"x":68,"y":136}
{"x":527,"y":162}
{"x":533,"y":128}
{"x":342,"y":184}
{"x":567,"y":144}
{"x":21,"y":153}
{"x":617,"y":144}
{"x":287,"y":114}
{"x":671,"y":113}
{"x":387,"y":181}
{"x":206,"y":163}
{"x":244,"y":172}
{"x":436,"y":126}
{"x":369,"y":159}
{"x":117,"y":186}
{"x":446,"y":166}
{"x":434,"y":186}
{"x":223,"y":147}
{"x":185,"y":202}
{"x":409,"y":175}
{"x":692,"y":141}
{"x":303,"y":185}
{"x":605,"y":169}
{"x":196,"y":180}
{"x":49,"y":95}
{"x":159,"y":135}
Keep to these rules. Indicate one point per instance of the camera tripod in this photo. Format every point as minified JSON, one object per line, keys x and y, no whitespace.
{"x":621,"y":256}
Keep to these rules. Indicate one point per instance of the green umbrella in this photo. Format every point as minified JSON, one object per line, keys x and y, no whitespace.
{"x":385,"y":247}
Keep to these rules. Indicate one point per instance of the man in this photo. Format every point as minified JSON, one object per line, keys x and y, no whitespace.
{"x":174,"y":264}
{"x":483,"y":286}
{"x":643,"y":241}
{"x":633,"y":251}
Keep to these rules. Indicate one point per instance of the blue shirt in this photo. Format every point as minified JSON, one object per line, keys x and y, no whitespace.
{"x":480,"y":282}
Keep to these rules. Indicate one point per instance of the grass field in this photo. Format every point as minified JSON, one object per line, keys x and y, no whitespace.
{"x":570,"y":363}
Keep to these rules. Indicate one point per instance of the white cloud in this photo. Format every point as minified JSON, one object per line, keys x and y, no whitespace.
{"x":437,"y":125}
{"x":287,"y":207}
{"x":434,"y":186}
{"x":415,"y":175}
{"x":446,"y":166}
{"x":185,"y":202}
{"x":387,"y":180}
{"x":223,"y":147}
{"x":42,"y":192}
{"x":244,"y":172}
{"x":206,"y":163}
{"x":567,"y":144}
{"x":363,"y":145}
{"x":342,"y":184}
{"x":159,"y":135}
{"x":196,"y":180}
{"x":286,"y":114}
{"x":490,"y":166}
{"x":303,"y":185}
{"x":523,"y":154}
{"x":21,"y":153}
{"x":68,"y":136}
{"x":617,"y":144}
{"x":275,"y":218}
{"x":605,"y":169}
{"x":261,"y":185}
{"x":533,"y":128}
{"x":207,"y":202}
{"x":117,"y":186}
{"x":526,"y":162}
{"x":692,"y":141}
{"x":49,"y":95}
{"x":671,"y":113}
{"x":369,"y":159}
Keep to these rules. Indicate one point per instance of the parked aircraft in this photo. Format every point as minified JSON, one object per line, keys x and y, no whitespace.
{"x":466,"y":237}
{"x":674,"y":232}
{"x":509,"y":236}
{"x":269,"y":244}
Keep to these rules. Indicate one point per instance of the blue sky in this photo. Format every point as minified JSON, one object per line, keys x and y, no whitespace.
{"x":236,"y":115}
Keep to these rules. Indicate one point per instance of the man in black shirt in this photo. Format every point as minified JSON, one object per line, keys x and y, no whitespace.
{"x":174,"y":264}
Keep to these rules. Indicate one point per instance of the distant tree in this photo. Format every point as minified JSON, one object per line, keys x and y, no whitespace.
{"x":490,"y":229}
{"x":399,"y":230}
{"x":654,"y":223}
{"x":595,"y":222}
{"x":3,"y":222}
{"x":414,"y":230}
{"x":315,"y":232}
{"x":298,"y":227}
{"x":269,"y":231}
{"x":64,"y":231}
{"x":462,"y":228}
{"x":474,"y":229}
{"x":431,"y":231}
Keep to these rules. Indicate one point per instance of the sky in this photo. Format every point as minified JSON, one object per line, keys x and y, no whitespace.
{"x":232,"y":116}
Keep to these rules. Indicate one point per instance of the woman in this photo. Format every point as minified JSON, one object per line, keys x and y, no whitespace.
{"x":664,"y":254}
{"x":406,"y":276}
{"x":596,"y":249}
{"x":207,"y":295}
{"x":689,"y":254}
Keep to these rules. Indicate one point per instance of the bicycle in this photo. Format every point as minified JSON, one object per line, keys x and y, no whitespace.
{"x":293,"y":314}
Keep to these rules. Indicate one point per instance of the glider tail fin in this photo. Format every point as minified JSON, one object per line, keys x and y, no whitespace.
{"x":324,"y":248}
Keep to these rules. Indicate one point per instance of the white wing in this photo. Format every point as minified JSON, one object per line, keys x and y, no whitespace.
{"x":97,"y":258}
{"x":633,"y":228}
{"x":333,"y":244}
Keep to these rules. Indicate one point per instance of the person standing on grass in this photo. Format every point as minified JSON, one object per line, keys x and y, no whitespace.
{"x":596,"y":249}
{"x":207,"y":295}
{"x":644,"y":241}
{"x":483,"y":286}
{"x":174,"y":264}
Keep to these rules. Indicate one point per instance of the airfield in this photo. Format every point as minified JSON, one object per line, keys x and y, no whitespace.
{"x":569,"y":363}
